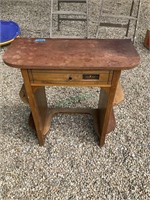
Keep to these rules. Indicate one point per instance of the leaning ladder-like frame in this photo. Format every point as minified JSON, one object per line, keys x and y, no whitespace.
{"x":128,"y":18}
{"x":64,"y":15}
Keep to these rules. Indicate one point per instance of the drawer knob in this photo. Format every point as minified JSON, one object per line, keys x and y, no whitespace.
{"x":70,"y":78}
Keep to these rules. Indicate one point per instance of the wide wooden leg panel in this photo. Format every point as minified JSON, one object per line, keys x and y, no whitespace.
{"x":41,"y":102}
{"x":39,"y":109}
{"x":42,"y":114}
{"x":106,"y":119}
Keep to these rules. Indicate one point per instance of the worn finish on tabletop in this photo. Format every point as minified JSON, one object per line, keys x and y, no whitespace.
{"x":72,"y":54}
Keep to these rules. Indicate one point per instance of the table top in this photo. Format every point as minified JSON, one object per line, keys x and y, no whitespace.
{"x":71,"y":54}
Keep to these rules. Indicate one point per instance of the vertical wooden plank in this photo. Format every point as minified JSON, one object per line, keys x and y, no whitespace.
{"x":106,"y":108}
{"x":38,"y":105}
{"x":119,"y":95}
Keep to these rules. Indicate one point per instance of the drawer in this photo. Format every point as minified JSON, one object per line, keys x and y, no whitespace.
{"x":56,"y":77}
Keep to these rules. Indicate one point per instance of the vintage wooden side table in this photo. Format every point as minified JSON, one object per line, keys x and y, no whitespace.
{"x":71,"y":62}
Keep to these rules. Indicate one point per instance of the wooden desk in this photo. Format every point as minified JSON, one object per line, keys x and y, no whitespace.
{"x":71,"y":62}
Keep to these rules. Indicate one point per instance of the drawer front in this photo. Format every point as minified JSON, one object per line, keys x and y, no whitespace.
{"x":51,"y":77}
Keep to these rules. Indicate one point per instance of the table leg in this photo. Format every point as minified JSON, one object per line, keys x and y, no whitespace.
{"x":39,"y":108}
{"x":105,"y":118}
{"x":119,"y":95}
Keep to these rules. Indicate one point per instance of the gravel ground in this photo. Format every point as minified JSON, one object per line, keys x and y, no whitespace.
{"x":71,"y":165}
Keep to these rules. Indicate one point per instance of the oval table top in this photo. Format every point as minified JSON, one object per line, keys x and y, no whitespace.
{"x":71,"y":54}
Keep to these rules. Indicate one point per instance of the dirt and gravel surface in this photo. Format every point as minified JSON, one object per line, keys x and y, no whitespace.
{"x":71,"y":165}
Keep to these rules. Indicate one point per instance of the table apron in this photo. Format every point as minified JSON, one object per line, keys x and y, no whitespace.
{"x":100,"y":78}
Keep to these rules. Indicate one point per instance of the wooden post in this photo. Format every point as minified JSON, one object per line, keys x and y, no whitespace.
{"x":38,"y":105}
{"x":106,"y":107}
